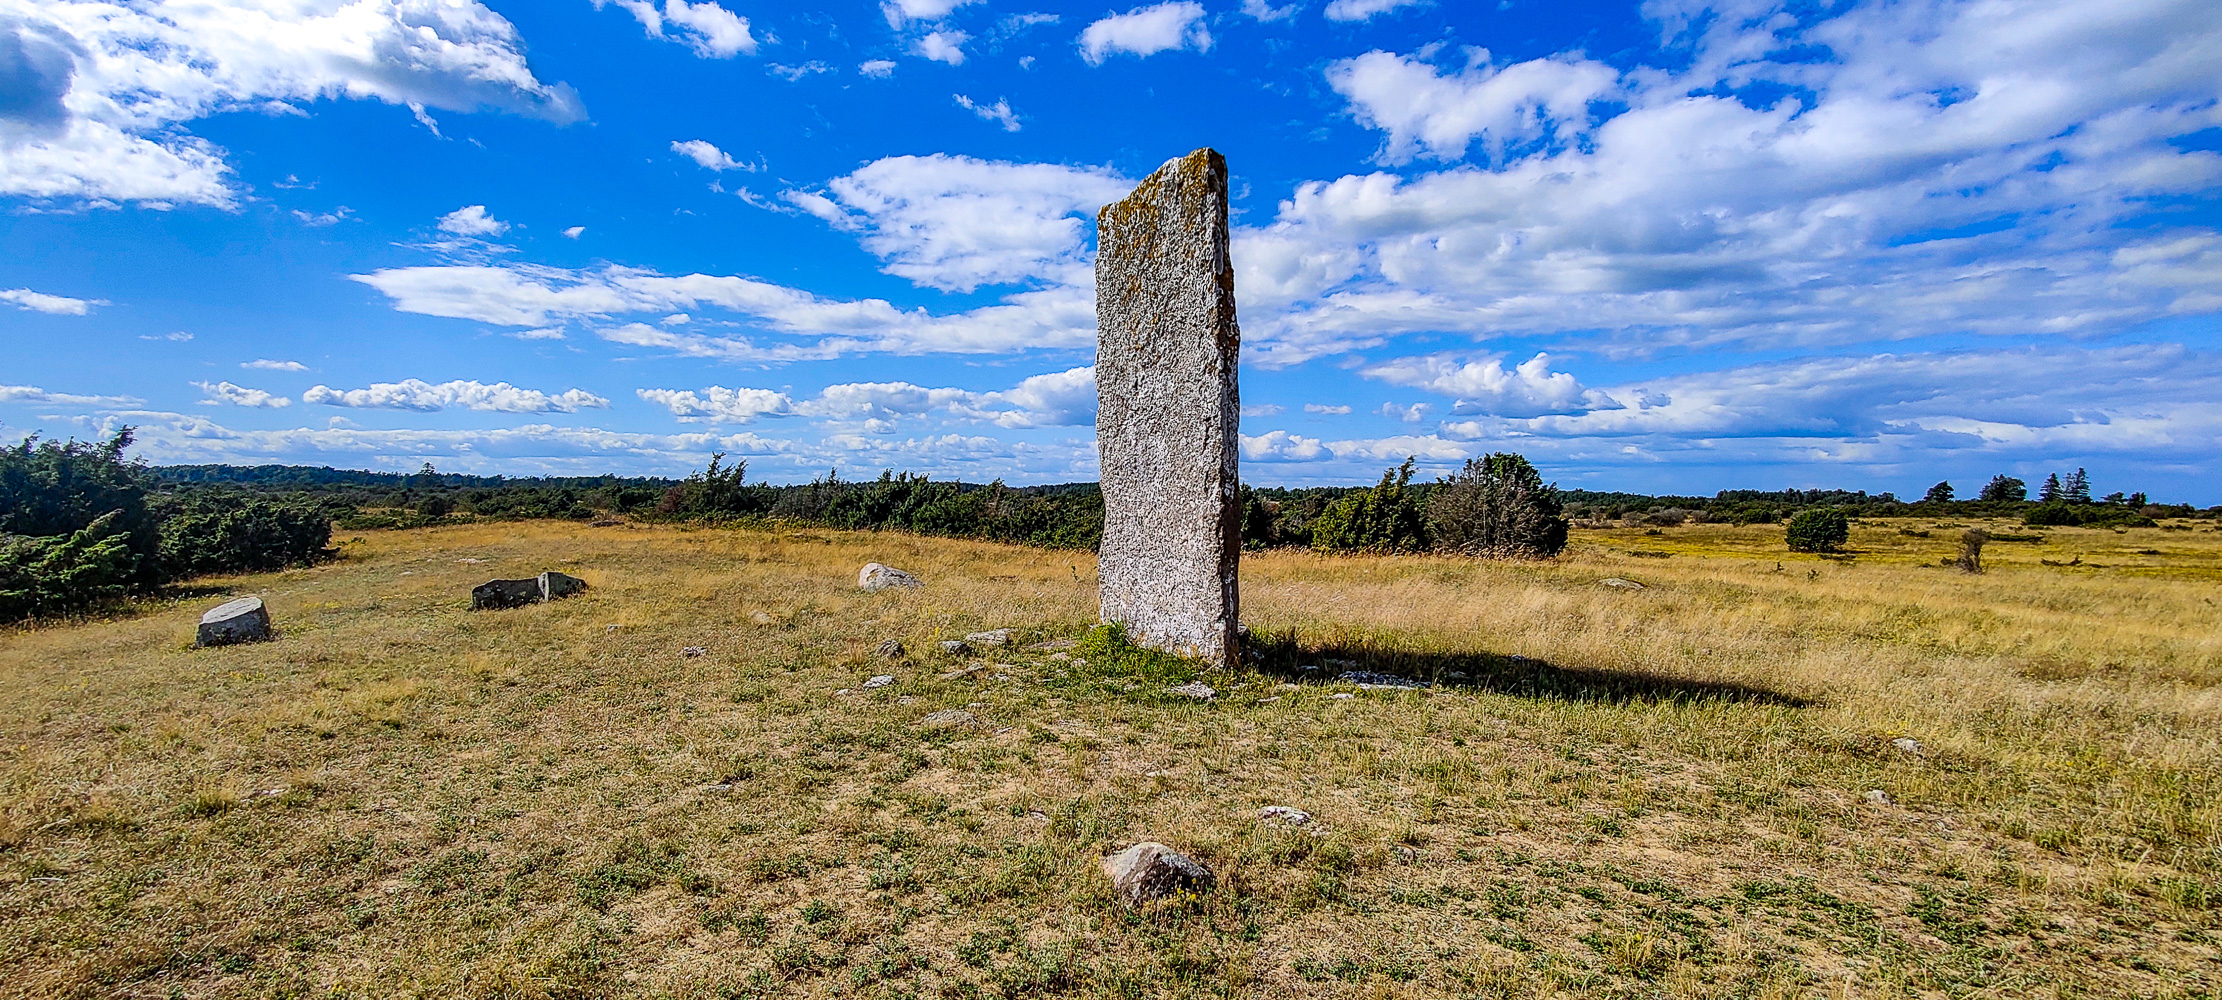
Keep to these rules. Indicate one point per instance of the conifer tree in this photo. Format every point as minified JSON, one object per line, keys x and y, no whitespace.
{"x":1940,"y":493}
{"x":2050,"y":491}
{"x":2078,"y":487}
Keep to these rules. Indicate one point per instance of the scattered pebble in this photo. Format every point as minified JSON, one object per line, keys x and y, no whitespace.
{"x":1877,"y":796}
{"x":963,"y":672}
{"x":1194,"y":689}
{"x":611,"y":628}
{"x":892,"y":649}
{"x":1345,"y":694}
{"x":694,"y":651}
{"x":1908,"y":744}
{"x":948,"y":718}
{"x":1368,"y":680}
{"x":991,"y":638}
{"x":879,"y":681}
{"x":955,"y":647}
{"x":1619,"y":584}
{"x":1286,"y":814}
{"x":760,"y":618}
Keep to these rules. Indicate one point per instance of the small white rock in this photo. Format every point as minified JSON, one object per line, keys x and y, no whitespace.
{"x":1286,"y":814}
{"x":693,"y":651}
{"x":1194,"y":689}
{"x":879,"y":681}
{"x":992,"y":637}
{"x":1907,"y":744}
{"x":1877,"y":796}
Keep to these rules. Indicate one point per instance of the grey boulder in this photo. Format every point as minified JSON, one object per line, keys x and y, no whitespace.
{"x":876,"y":577}
{"x":991,"y":638}
{"x":1149,"y":871}
{"x":243,"y":620}
{"x":518,"y":593}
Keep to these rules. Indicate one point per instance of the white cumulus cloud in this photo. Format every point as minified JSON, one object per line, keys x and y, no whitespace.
{"x":720,"y":405}
{"x":1146,"y":31}
{"x":710,"y":30}
{"x":422,"y":396}
{"x":1000,"y":112}
{"x":710,"y":157}
{"x":52,"y":305}
{"x":100,"y":90}
{"x":878,"y":69}
{"x":1528,"y":389}
{"x":956,"y":223}
{"x":945,"y":46}
{"x":1363,"y":10}
{"x":472,"y":220}
{"x":237,"y":395}
{"x":269,"y":365}
{"x":1422,"y":109}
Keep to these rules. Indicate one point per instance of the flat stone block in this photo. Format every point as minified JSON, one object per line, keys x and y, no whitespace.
{"x":243,"y":620}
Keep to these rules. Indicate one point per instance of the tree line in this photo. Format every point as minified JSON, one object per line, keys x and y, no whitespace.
{"x":81,"y":526}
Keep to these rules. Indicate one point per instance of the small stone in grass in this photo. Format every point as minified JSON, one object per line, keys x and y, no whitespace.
{"x":1194,"y":689}
{"x":693,"y":651}
{"x":1877,"y":796}
{"x":955,"y":647}
{"x":1617,"y":583}
{"x":1907,"y":744}
{"x":243,"y":620}
{"x":879,"y":681}
{"x":1345,"y":694}
{"x":760,"y":618}
{"x":1286,"y":814}
{"x":992,"y":637}
{"x":1149,"y":871}
{"x":892,"y":649}
{"x":876,"y":577}
{"x":948,"y":718}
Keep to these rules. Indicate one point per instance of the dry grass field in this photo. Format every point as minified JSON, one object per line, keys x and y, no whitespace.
{"x":1611,"y":793}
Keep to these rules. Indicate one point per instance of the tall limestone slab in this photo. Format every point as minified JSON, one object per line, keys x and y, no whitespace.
{"x":1167,"y":349}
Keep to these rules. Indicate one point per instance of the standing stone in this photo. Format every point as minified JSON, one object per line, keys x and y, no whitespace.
{"x":1167,"y":350}
{"x":243,"y":620}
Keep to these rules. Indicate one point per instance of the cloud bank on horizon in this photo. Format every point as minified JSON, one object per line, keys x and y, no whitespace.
{"x":1668,"y":246}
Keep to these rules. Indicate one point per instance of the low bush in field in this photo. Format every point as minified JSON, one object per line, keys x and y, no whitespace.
{"x":1386,"y":518}
{"x":2063,"y":514}
{"x":1820,"y":529}
{"x":245,"y":537}
{"x":1497,"y":506}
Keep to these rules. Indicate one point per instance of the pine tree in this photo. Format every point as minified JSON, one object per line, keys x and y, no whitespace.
{"x":2004,"y":488}
{"x":2078,"y":487}
{"x":2050,"y":491}
{"x":1940,"y":493}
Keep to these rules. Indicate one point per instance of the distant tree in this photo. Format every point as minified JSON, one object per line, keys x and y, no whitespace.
{"x":1385,"y":518}
{"x":1497,"y":506}
{"x":2051,"y":490}
{"x":2004,"y":488}
{"x":2078,"y":487}
{"x":1940,"y":493}
{"x":1818,"y":529}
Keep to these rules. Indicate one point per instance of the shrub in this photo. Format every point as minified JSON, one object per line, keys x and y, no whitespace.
{"x":1385,"y":518}
{"x":1498,"y":507}
{"x":243,"y":536}
{"x":61,"y":573}
{"x":1940,"y":493}
{"x":53,"y":488}
{"x":1819,"y":529}
{"x":2060,"y":513}
{"x":1971,"y":550}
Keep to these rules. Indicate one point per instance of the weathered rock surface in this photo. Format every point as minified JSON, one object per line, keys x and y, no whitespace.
{"x":876,"y":577}
{"x":1151,"y":870}
{"x":1908,"y":744}
{"x":892,"y":649}
{"x":955,"y":647}
{"x":547,"y":586}
{"x":1194,"y":689}
{"x":878,"y":681}
{"x":1619,"y":584}
{"x":243,"y":620}
{"x":1372,"y":681}
{"x":948,"y":718}
{"x":1286,"y":814}
{"x":1168,"y":409}
{"x":992,"y":637}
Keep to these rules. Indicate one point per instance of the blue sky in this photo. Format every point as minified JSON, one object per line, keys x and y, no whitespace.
{"x":1662,"y":246}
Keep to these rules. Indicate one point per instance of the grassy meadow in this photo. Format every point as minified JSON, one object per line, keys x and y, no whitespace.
{"x":1610,"y":792}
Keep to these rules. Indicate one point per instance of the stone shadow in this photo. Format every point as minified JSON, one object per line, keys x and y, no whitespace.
{"x":1518,"y":676}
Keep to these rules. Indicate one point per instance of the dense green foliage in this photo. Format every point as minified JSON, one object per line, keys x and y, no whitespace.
{"x":1386,"y":518}
{"x":80,"y":527}
{"x":53,"y":574}
{"x":1821,"y":529}
{"x":1497,"y":506}
{"x":2062,"y":513}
